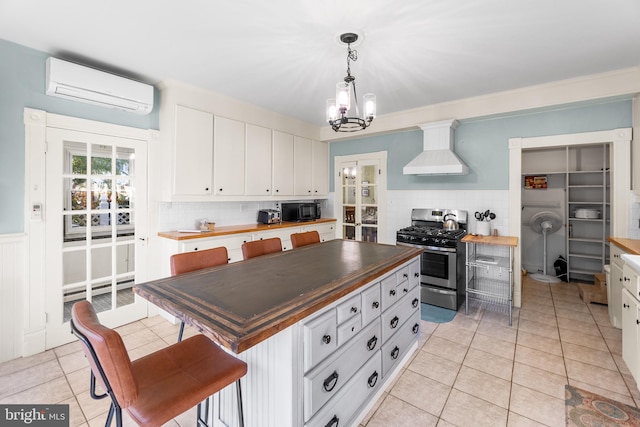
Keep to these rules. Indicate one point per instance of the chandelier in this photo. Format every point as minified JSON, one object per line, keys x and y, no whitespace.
{"x":338,"y":107}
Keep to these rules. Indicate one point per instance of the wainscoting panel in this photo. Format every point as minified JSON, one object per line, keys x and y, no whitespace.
{"x":13,"y":279}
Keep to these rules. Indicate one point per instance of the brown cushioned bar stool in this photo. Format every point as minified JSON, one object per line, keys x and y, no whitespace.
{"x":197,"y":260}
{"x":160,"y":386}
{"x":261,"y":247}
{"x":304,"y":239}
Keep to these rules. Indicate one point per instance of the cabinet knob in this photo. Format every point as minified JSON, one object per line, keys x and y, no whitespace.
{"x":220,"y":189}
{"x":405,"y":275}
{"x":333,"y":422}
{"x":416,"y":274}
{"x":414,"y":303}
{"x":326,"y":339}
{"x":267,"y":190}
{"x":395,"y":352}
{"x":206,"y":189}
{"x":331,"y":381}
{"x":392,"y":292}
{"x":624,"y":305}
{"x":394,"y":322}
{"x":373,"y":379}
{"x":371,"y":344}
{"x":277,"y":191}
{"x":375,"y":304}
{"x":354,"y":309}
{"x":405,"y":290}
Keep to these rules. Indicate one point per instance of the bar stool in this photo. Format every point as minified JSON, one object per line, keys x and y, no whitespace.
{"x":304,"y":239}
{"x":261,"y":247}
{"x":197,"y":260}
{"x":160,"y":386}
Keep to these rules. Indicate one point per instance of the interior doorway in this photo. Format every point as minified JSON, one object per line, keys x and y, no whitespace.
{"x":620,"y":182}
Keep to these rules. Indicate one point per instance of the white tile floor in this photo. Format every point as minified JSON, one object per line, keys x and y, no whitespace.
{"x":474,"y":370}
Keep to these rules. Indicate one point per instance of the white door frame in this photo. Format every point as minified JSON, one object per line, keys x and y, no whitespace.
{"x":382,"y":192}
{"x":36,"y":122}
{"x":620,"y":164}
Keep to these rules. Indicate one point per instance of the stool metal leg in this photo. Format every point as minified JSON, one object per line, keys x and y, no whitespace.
{"x":240,"y":412}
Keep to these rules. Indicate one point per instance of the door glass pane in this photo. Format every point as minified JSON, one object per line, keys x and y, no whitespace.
{"x":349,"y":232}
{"x":369,"y":234}
{"x":369,"y":214}
{"x":74,"y":267}
{"x":349,"y":214}
{"x":125,"y":268}
{"x":101,"y":160}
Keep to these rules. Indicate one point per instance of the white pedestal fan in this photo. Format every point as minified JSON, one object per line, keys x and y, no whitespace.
{"x":545,"y":223}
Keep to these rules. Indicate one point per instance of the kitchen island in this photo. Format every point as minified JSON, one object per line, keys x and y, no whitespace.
{"x":315,"y":324}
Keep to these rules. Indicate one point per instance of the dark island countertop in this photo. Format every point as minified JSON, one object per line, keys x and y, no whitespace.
{"x":225,"y":230}
{"x":242,"y":304}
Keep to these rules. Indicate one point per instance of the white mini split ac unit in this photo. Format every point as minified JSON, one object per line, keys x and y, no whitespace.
{"x":79,"y":83}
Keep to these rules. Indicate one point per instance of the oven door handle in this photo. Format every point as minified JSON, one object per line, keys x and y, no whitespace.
{"x":438,"y":291}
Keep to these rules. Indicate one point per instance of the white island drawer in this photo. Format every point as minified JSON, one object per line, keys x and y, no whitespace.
{"x":349,"y":400}
{"x":327,"y":379}
{"x":371,"y":306}
{"x":395,"y":316}
{"x":320,"y":338}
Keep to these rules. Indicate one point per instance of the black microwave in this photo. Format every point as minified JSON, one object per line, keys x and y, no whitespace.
{"x":300,"y":211}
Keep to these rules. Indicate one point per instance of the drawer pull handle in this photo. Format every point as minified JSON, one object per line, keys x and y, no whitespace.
{"x":395,"y":352}
{"x":334,"y":422}
{"x":354,"y":309}
{"x":375,"y":304}
{"x":373,"y":379}
{"x":326,"y":339}
{"x":331,"y":381}
{"x":637,"y":322}
{"x":416,"y":328}
{"x":405,"y":275}
{"x":416,"y":274}
{"x":394,"y":322}
{"x":392,"y":292}
{"x":373,"y":341}
{"x":415,"y":302}
{"x":405,"y":290}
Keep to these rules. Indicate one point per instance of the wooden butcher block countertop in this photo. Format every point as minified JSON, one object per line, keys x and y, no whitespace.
{"x":239,"y":229}
{"x":631,"y":246}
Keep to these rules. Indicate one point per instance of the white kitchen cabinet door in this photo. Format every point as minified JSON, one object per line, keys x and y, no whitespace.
{"x":228,"y":157}
{"x":302,"y":166}
{"x":320,"y":168}
{"x":258,"y":145}
{"x":193,"y":152}
{"x":630,"y":331}
{"x":282,"y":164}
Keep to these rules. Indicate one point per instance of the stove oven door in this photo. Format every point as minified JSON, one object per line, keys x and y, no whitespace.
{"x":438,"y":267}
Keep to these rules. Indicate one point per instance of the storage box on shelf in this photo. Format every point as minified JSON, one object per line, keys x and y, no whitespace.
{"x":490,"y":271}
{"x":353,"y":347}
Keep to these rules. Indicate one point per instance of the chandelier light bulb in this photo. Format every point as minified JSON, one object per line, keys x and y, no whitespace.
{"x":332,"y":110}
{"x":343,"y":96}
{"x":369,"y":101}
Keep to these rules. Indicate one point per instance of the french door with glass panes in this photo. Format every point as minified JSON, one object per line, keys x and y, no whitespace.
{"x":362,"y":189}
{"x":95,"y":209}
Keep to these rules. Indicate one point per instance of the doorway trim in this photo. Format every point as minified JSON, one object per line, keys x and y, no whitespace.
{"x":620,"y":163}
{"x":36,"y":122}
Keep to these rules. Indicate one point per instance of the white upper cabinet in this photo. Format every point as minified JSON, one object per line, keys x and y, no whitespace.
{"x":282,"y":164}
{"x":320,"y":168}
{"x":228,"y":157}
{"x":259,"y":163}
{"x":193,"y":152}
{"x":302,"y":175}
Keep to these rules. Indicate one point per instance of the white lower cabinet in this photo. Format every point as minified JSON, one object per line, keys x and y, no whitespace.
{"x":353,"y":346}
{"x":631,"y":320}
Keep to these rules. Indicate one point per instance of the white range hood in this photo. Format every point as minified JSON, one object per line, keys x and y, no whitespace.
{"x":438,"y":157}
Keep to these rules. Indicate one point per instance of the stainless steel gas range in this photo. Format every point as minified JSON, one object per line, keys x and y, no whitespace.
{"x":442,"y":264}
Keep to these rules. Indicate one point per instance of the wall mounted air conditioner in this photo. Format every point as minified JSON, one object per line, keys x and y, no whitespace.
{"x":79,"y":83}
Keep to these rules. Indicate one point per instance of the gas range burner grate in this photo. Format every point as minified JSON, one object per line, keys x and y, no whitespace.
{"x":433,"y":232}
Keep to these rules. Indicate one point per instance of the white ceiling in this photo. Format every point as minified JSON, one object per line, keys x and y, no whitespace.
{"x":284,"y":54}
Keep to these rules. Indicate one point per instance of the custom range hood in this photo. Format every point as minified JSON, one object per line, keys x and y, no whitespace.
{"x":438,"y":157}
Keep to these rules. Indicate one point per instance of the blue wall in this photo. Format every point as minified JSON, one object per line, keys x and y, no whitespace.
{"x":22,"y":82}
{"x":483,"y":144}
